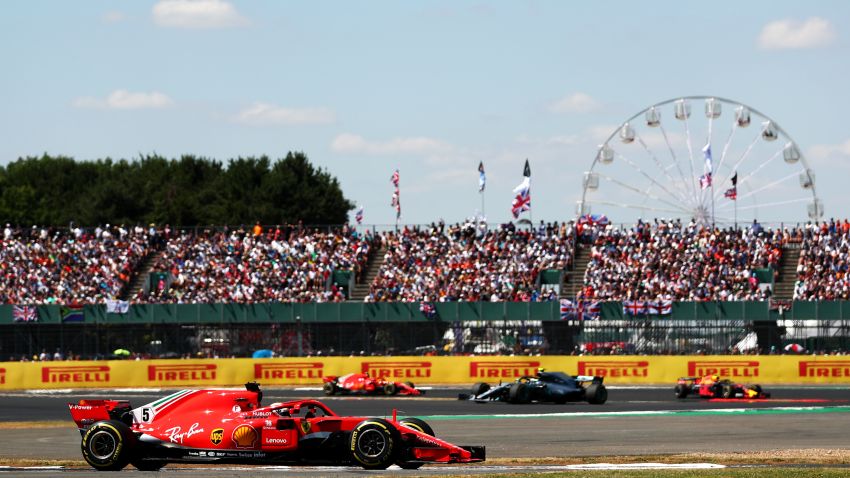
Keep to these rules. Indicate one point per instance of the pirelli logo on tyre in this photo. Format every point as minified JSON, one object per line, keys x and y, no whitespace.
{"x":724,"y":368}
{"x":397,"y":369}
{"x":502,"y":368}
{"x":614,"y":369}
{"x":80,"y":374}
{"x":181,"y":373}
{"x":288,"y":371}
{"x":825,"y":368}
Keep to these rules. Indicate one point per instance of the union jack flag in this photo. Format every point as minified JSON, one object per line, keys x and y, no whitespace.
{"x":635,"y":307}
{"x":521,"y":203}
{"x":25,"y":313}
{"x":394,"y":178}
{"x":580,"y":310}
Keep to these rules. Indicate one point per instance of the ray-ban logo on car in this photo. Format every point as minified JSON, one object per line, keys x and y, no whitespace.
{"x":75,"y":374}
{"x":825,"y":368}
{"x":181,"y":373}
{"x":502,"y":368}
{"x":412,"y":369}
{"x":724,"y":368}
{"x":287,"y":371}
{"x":613,"y":369}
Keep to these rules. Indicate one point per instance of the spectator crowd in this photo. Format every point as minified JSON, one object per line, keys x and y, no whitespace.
{"x":648,"y":261}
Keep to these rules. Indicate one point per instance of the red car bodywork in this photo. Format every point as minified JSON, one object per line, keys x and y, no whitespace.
{"x":712,"y":386}
{"x":364,"y":383}
{"x":231,"y":426}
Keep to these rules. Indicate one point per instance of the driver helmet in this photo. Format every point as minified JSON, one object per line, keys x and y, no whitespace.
{"x":715,"y":378}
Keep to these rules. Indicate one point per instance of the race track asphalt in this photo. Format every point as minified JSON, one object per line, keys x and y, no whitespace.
{"x":635,"y":421}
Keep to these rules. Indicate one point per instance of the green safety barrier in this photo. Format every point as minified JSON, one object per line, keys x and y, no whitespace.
{"x":410,"y":312}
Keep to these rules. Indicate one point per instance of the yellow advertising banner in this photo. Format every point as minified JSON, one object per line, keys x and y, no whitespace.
{"x":619,"y":370}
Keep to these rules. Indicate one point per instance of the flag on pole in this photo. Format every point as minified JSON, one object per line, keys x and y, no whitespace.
{"x":482,"y":179}
{"x":705,"y":181}
{"x":394,"y":178}
{"x":358,"y":216}
{"x":706,"y":151}
{"x":396,"y":202}
{"x":522,"y":200}
{"x":732,"y":193}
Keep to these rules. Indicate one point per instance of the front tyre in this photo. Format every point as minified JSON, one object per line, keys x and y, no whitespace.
{"x":390,"y":389}
{"x":420,"y":426}
{"x":107,"y":445}
{"x":374,"y":444}
{"x":479,"y":388}
{"x":329,"y":388}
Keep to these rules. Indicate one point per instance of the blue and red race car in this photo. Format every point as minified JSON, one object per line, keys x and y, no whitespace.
{"x":712,"y":386}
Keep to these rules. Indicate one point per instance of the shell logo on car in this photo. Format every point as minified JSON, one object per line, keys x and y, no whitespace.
{"x":502,"y":368}
{"x":725,"y":368}
{"x":604,"y":368}
{"x":411,"y":369}
{"x":244,"y":436}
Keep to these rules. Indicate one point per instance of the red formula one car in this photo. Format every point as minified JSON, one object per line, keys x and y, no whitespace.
{"x":711,"y":386}
{"x":363,"y":383}
{"x":230,"y":426}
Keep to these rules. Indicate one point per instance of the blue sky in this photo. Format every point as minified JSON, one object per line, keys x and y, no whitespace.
{"x":432,"y":88}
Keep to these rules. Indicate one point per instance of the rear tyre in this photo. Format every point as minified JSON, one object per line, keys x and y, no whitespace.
{"x":596,"y":394}
{"x":479,"y":388}
{"x":390,"y":389}
{"x":418,"y":425}
{"x":108,"y":445}
{"x":518,"y":393}
{"x":374,"y":444}
{"x":329,"y":388}
{"x":682,"y":391}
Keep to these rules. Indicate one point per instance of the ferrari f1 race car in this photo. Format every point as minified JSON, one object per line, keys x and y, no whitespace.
{"x":555,"y":387}
{"x":230,"y":426}
{"x":363,"y":383}
{"x":712,"y":386}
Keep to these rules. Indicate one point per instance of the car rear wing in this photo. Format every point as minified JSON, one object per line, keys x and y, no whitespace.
{"x":87,"y":412}
{"x":589,"y":378}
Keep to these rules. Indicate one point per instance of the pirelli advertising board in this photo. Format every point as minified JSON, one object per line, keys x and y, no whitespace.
{"x":420,"y":370}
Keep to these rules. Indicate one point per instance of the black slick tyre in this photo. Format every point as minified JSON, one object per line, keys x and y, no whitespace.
{"x":374,"y":444}
{"x":479,"y":388}
{"x":682,"y":391}
{"x":420,"y":426}
{"x":108,"y":445}
{"x":390,"y":389}
{"x":596,"y":394}
{"x":518,"y":393}
{"x":329,"y":388}
{"x":728,"y":391}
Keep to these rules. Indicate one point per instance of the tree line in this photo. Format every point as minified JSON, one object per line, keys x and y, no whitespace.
{"x":189,"y":191}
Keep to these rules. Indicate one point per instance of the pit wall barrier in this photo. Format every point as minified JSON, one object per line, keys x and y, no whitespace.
{"x":620,"y":370}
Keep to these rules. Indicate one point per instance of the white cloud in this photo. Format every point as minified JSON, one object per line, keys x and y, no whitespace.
{"x":126,"y":100}
{"x":791,"y":34}
{"x":197,"y":14}
{"x":352,"y":143}
{"x":113,"y":17}
{"x":575,"y":103}
{"x":265,"y":114}
{"x":821,"y":152}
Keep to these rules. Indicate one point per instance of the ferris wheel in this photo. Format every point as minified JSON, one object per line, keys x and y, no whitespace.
{"x":717,"y":168}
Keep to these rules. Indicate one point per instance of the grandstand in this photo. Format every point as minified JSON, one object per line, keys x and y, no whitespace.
{"x":170,"y":271}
